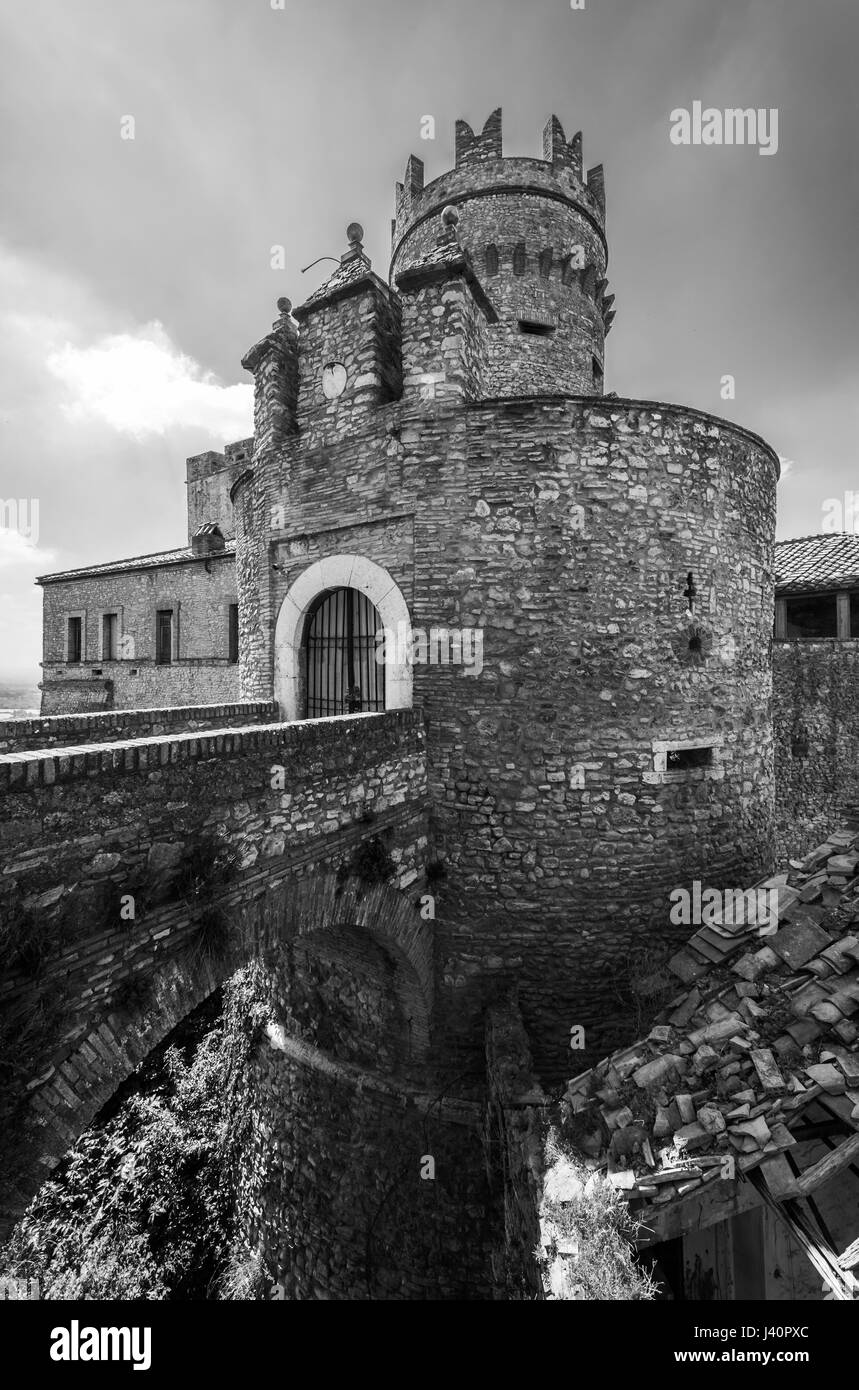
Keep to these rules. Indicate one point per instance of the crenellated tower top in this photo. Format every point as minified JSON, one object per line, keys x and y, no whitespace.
{"x":534,"y":230}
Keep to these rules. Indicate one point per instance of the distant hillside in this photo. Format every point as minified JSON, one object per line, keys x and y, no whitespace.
{"x":18,"y":701}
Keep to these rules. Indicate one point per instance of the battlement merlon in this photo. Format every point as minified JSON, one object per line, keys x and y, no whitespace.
{"x":481,"y":170}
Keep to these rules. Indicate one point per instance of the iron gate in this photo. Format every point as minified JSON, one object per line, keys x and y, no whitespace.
{"x":343,"y":676}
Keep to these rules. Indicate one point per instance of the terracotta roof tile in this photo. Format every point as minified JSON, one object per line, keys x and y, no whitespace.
{"x":817,"y":562}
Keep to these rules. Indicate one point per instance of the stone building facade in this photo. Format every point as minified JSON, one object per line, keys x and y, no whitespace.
{"x":156,"y":630}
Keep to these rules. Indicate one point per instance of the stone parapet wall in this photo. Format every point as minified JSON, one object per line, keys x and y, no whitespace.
{"x":99,"y":806}
{"x":18,"y":735}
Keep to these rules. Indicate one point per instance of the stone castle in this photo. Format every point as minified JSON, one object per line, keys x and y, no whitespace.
{"x":434,"y":458}
{"x":438,"y":449}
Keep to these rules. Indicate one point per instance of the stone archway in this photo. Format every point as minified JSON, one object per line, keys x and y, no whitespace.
{"x":105,"y":1053}
{"x":337,"y":571}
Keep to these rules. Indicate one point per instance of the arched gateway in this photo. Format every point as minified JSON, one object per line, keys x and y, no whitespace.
{"x":325,"y":641}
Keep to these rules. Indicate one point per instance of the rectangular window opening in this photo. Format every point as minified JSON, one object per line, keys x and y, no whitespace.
{"x":234,"y":633}
{"x":539,"y":330}
{"x":75,"y":639}
{"x":164,"y":637}
{"x":598,"y":375}
{"x":684,"y":759}
{"x":108,"y":636}
{"x":810,"y":616}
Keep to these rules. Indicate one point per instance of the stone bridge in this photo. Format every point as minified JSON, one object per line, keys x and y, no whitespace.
{"x":138,"y":875}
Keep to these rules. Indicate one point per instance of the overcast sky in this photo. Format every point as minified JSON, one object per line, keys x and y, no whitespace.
{"x":135,"y":273}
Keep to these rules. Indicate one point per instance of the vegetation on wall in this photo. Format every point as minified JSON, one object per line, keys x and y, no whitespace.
{"x":587,"y":1233}
{"x":141,"y":1207}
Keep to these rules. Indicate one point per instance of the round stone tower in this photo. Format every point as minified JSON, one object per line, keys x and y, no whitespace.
{"x":535,"y":232}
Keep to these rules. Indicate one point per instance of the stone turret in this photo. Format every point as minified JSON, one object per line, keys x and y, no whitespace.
{"x":534,"y":231}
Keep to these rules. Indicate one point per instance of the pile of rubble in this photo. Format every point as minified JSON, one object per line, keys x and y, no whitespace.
{"x":766,"y":1024}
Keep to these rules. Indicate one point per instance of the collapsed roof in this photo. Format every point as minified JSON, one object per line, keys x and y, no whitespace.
{"x":764,"y":1028}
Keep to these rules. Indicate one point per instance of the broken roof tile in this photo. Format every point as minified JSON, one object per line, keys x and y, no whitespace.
{"x":798,"y":941}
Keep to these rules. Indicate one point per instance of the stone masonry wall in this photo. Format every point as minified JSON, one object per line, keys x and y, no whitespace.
{"x":361,"y":331}
{"x":520,"y":220}
{"x":209,"y":477}
{"x":816,"y":719}
{"x":568,"y":542}
{"x":335,"y":1194}
{"x":565,"y":530}
{"x":18,"y":735}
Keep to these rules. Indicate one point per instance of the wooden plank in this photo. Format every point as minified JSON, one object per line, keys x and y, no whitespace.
{"x":827,"y":1167}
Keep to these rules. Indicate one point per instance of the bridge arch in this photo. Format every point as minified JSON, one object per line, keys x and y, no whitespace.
{"x":337,"y":572}
{"x":299,"y":909}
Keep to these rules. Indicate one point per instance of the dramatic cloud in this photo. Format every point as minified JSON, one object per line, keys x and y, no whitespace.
{"x":20,"y":550}
{"x":141,"y":384}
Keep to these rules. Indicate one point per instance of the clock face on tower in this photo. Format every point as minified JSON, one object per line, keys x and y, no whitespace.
{"x":333,"y":380}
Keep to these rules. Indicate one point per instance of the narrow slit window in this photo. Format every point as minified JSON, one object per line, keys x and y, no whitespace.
{"x":234,"y":634}
{"x":540,"y":330}
{"x":598,"y":375}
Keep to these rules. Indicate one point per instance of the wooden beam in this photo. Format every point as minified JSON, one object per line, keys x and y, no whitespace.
{"x":850,"y":1258}
{"x":843,"y":616}
{"x":827,"y":1167}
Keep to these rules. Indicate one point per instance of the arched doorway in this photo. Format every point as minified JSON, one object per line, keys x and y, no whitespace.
{"x":342,"y":675}
{"x":316,"y":582}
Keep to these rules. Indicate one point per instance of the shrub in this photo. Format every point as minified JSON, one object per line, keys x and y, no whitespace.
{"x":587,"y":1238}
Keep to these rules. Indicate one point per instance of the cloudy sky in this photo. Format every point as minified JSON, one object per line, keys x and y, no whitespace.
{"x":135,"y":272}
